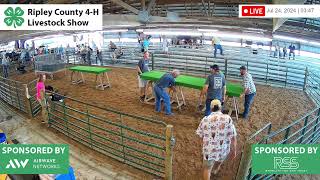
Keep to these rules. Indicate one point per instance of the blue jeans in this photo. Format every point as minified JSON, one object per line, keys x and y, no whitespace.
{"x":5,"y":71}
{"x":207,"y":112}
{"x":160,"y":93}
{"x":248,"y":99}
{"x":217,"y":46}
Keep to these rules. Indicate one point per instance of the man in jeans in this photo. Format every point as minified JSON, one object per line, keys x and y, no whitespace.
{"x":249,"y":90}
{"x":215,"y":88}
{"x":217,"y":45}
{"x":166,"y":81}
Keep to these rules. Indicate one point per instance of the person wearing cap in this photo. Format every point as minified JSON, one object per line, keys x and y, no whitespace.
{"x":218,"y":135}
{"x":142,"y":67}
{"x":249,"y":90}
{"x":216,"y":44}
{"x":166,"y":81}
{"x":215,"y":88}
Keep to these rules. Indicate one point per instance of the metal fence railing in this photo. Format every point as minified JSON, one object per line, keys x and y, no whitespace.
{"x":269,"y":71}
{"x":305,"y":130}
{"x":313,"y":86}
{"x":137,"y":141}
{"x":13,"y":93}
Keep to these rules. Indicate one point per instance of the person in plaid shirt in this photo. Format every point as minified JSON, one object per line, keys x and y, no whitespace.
{"x":218,"y":137}
{"x":249,"y":90}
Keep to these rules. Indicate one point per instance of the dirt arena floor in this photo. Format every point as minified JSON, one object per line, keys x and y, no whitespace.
{"x":276,"y":105}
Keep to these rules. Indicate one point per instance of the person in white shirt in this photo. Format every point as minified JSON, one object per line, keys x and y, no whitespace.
{"x":218,"y":135}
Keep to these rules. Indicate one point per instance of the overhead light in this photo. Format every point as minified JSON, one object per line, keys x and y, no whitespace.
{"x":207,"y":30}
{"x":315,"y":43}
{"x":139,"y":30}
{"x":177,"y":33}
{"x":116,"y":30}
{"x":289,"y":38}
{"x":238,"y":36}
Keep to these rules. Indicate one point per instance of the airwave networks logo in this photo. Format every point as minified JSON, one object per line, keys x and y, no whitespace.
{"x":286,"y":163}
{"x":14,"y":164}
{"x":14,"y":16}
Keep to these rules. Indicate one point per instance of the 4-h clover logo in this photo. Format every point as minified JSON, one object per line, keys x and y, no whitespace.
{"x":14,"y":16}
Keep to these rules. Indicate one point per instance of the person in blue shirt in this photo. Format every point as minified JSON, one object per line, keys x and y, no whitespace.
{"x":146,"y":43}
{"x":215,"y":88}
{"x":166,"y":81}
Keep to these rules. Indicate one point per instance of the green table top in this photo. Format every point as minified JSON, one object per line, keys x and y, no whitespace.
{"x":89,"y":69}
{"x":233,"y":89}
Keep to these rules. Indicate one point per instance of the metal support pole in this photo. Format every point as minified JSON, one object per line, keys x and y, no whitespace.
{"x":304,"y":128}
{"x":225,"y":68}
{"x":305,"y":79}
{"x":152,"y":59}
{"x":169,"y":147}
{"x":286,"y":135}
{"x":316,"y":125}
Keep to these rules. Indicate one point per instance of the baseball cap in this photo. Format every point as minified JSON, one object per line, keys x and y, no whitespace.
{"x":215,"y":67}
{"x":243,"y":67}
{"x":215,"y":102}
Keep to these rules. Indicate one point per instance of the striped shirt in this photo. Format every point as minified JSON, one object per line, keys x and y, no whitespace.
{"x":248,"y":83}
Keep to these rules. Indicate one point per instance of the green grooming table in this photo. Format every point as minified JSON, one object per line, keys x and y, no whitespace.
{"x":234,"y":90}
{"x":101,"y":73}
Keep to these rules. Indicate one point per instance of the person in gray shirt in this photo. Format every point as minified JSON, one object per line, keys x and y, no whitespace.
{"x":215,"y":88}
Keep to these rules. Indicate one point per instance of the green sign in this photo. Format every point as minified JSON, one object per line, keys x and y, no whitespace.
{"x":285,"y":159}
{"x":34,"y":158}
{"x":14,"y":16}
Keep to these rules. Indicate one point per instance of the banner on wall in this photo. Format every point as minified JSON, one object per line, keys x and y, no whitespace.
{"x":49,"y":17}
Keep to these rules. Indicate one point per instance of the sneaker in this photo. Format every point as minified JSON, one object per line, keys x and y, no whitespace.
{"x":171,"y":114}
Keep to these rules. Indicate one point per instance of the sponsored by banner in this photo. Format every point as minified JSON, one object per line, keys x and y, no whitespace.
{"x":51,"y":17}
{"x":285,"y":159}
{"x":34,"y":158}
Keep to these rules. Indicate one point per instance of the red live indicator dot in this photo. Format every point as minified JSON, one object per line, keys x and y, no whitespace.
{"x":253,"y":10}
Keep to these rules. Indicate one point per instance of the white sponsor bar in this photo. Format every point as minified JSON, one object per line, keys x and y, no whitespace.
{"x":51,"y":17}
{"x":279,"y":11}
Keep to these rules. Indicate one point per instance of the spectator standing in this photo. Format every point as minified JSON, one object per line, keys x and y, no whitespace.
{"x":284,"y":51}
{"x":142,"y":67}
{"x":292,"y":49}
{"x":40,"y":96}
{"x":216,"y":42}
{"x":146,"y":43}
{"x":89,"y":51}
{"x":5,"y":65}
{"x":218,"y":139}
{"x":249,"y":90}
{"x":99,"y":56}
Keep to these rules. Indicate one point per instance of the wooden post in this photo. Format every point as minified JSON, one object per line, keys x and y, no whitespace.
{"x":245,"y":162}
{"x":305,"y":79}
{"x":27,"y":101}
{"x":169,"y":147}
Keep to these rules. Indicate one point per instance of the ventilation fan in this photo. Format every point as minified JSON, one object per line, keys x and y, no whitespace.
{"x":143,"y":16}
